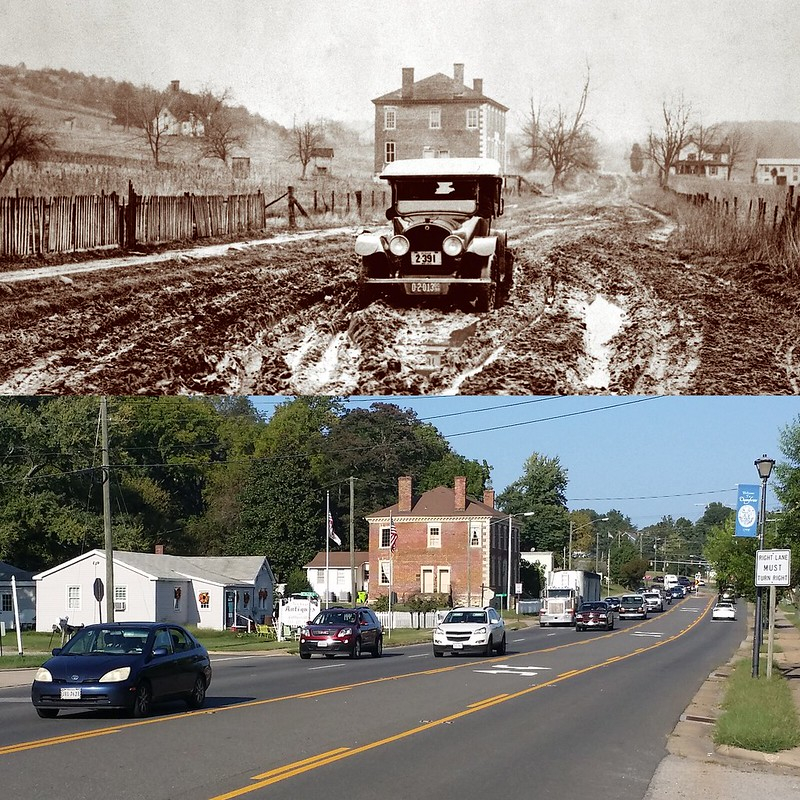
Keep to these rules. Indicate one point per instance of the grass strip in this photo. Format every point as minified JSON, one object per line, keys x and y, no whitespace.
{"x":758,"y":714}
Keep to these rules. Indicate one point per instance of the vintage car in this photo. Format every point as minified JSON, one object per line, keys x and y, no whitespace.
{"x":441,"y":240}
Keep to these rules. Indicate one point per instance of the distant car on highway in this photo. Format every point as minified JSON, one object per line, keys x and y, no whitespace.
{"x":126,"y":665}
{"x":654,"y":600}
{"x":468,"y":629}
{"x":723,"y":610}
{"x":632,"y":606}
{"x":677,"y":593}
{"x":613,"y":602}
{"x":595,"y":614}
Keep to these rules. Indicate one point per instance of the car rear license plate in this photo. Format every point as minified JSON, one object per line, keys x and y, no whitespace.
{"x":422,"y":258}
{"x":71,"y":694}
{"x":425,"y":287}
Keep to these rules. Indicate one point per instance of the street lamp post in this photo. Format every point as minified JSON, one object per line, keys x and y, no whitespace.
{"x":764,"y":466}
{"x":508,"y":577}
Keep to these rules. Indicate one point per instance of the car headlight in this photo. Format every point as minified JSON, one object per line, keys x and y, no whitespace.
{"x":480,"y":630}
{"x":43,"y":675}
{"x":116,"y":675}
{"x":399,"y":245}
{"x":345,"y":632}
{"x":453,"y":246}
{"x":304,"y":631}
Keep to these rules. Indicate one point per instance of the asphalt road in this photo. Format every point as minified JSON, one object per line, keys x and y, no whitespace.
{"x":561,"y":715}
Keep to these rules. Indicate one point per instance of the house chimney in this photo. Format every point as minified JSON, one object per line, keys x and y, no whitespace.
{"x":404,"y":493}
{"x":477,"y":85}
{"x":159,"y":549}
{"x":408,"y":83}
{"x":175,"y":86}
{"x":458,"y":79}
{"x":488,"y":497}
{"x":461,"y":493}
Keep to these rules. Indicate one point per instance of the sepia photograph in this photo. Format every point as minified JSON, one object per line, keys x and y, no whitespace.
{"x":302,"y":198}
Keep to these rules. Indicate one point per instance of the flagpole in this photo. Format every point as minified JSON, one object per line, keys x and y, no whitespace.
{"x":327,"y":546}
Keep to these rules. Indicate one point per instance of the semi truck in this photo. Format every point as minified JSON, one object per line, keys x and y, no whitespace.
{"x":568,"y":588}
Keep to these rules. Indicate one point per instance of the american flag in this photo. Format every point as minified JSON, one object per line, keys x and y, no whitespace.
{"x":392,"y":534}
{"x":332,"y":533}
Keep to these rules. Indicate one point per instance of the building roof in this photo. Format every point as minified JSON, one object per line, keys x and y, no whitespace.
{"x":445,"y":167}
{"x":778,"y":162}
{"x":438,"y":503}
{"x":223,"y":570}
{"x":437,"y":88}
{"x":7,"y":571}
{"x":337,"y":559}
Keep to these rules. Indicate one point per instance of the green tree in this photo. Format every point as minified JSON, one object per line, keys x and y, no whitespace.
{"x":296,"y":582}
{"x":786,"y":484}
{"x":631,"y":573}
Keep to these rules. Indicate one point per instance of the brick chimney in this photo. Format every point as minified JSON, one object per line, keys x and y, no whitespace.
{"x":461,"y":493}
{"x":488,"y":497}
{"x":404,"y":493}
{"x":408,"y":83}
{"x":458,"y":79}
{"x":159,"y":549}
{"x":477,"y":85}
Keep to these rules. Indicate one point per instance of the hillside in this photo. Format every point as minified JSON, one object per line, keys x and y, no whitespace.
{"x":85,"y":114}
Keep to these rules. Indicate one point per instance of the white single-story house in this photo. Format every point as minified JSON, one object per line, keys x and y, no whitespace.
{"x":778,"y":171}
{"x":209,"y":592}
{"x":337,"y":582}
{"x":26,"y":597}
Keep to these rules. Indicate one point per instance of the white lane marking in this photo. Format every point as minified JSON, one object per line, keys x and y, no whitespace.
{"x":512,"y":666}
{"x":654,"y":634}
{"x":505,"y":672}
{"x":419,"y":655}
{"x":326,"y":666}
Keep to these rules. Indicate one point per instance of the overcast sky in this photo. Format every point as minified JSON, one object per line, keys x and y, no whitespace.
{"x":648,"y":458}
{"x":733,"y":59}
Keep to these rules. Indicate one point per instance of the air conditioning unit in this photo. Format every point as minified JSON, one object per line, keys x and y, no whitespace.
{"x":119,"y":605}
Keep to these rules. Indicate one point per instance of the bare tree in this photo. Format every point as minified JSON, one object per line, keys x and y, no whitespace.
{"x":566,"y":142}
{"x":22,"y":138}
{"x":739,"y":142}
{"x":222,"y":134}
{"x":532,"y":133}
{"x":665,"y":146}
{"x":304,"y":139}
{"x":150,"y":114}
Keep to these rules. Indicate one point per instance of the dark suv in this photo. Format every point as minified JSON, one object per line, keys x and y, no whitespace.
{"x":342,"y":630}
{"x":441,"y":240}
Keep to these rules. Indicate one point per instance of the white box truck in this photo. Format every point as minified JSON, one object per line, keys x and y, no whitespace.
{"x":568,"y":588}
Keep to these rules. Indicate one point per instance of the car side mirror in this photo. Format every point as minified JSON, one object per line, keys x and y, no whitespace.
{"x":159,"y":651}
{"x":391,"y":212}
{"x":56,"y":650}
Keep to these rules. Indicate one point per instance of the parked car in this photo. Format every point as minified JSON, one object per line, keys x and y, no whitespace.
{"x":613,"y":602}
{"x":470,"y":629}
{"x":723,"y":610}
{"x":654,"y":601}
{"x":443,"y":239}
{"x":595,"y":614}
{"x":123,"y":665}
{"x":632,"y":606}
{"x":342,"y":630}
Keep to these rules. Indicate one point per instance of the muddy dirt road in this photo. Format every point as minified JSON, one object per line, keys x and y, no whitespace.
{"x":599,"y":305}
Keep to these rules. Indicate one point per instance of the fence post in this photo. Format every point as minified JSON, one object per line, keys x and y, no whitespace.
{"x":358,"y":201}
{"x":292,"y":221}
{"x":130,"y":218}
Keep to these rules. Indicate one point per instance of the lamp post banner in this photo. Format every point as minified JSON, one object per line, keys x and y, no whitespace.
{"x":747,"y":510}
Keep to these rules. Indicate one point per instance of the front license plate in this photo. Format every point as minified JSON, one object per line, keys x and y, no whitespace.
{"x":425,"y":287}
{"x":71,"y":694}
{"x":457,"y":645}
{"x":423,"y":258}
{"x":322,"y":644}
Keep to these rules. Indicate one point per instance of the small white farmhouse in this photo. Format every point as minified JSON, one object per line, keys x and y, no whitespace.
{"x":209,"y":592}
{"x":26,"y":596}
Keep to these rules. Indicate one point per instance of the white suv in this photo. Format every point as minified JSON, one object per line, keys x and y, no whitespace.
{"x":654,"y":600}
{"x":470,"y":629}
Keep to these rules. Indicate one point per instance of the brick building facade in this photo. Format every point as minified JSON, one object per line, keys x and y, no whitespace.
{"x":447,"y":543}
{"x":438,"y":117}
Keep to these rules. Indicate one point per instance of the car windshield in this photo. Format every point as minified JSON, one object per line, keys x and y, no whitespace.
{"x":593,"y":607}
{"x":339,"y":617}
{"x":436,"y":194}
{"x":632,"y":598}
{"x":114,"y":640}
{"x":466,"y":616}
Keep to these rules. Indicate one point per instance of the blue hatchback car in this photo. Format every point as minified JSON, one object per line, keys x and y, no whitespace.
{"x":126,"y":665}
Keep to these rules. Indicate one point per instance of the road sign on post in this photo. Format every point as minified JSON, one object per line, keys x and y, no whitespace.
{"x":773,"y":567}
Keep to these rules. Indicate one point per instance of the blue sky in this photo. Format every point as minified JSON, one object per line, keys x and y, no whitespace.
{"x":313,"y":58}
{"x":646,"y":457}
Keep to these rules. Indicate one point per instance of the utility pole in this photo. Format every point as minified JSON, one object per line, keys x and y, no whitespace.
{"x":109,"y":541}
{"x":352,"y":547}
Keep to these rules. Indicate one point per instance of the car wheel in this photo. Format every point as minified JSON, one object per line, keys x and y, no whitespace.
{"x":47,"y":713}
{"x":305,"y":655}
{"x":142,"y":700}
{"x":489,"y":647}
{"x":197,"y":698}
{"x":501,"y":648}
{"x":356,"y":651}
{"x":378,"y":650}
{"x":487,"y":295}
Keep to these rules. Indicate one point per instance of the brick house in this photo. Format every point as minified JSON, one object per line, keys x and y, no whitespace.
{"x":438,"y":117}
{"x":708,"y":160}
{"x":447,"y":543}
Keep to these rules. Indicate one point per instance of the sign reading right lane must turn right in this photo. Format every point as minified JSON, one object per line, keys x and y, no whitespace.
{"x":773,"y":567}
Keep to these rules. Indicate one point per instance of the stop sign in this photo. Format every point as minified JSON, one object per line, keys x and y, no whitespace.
{"x":98,"y":589}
